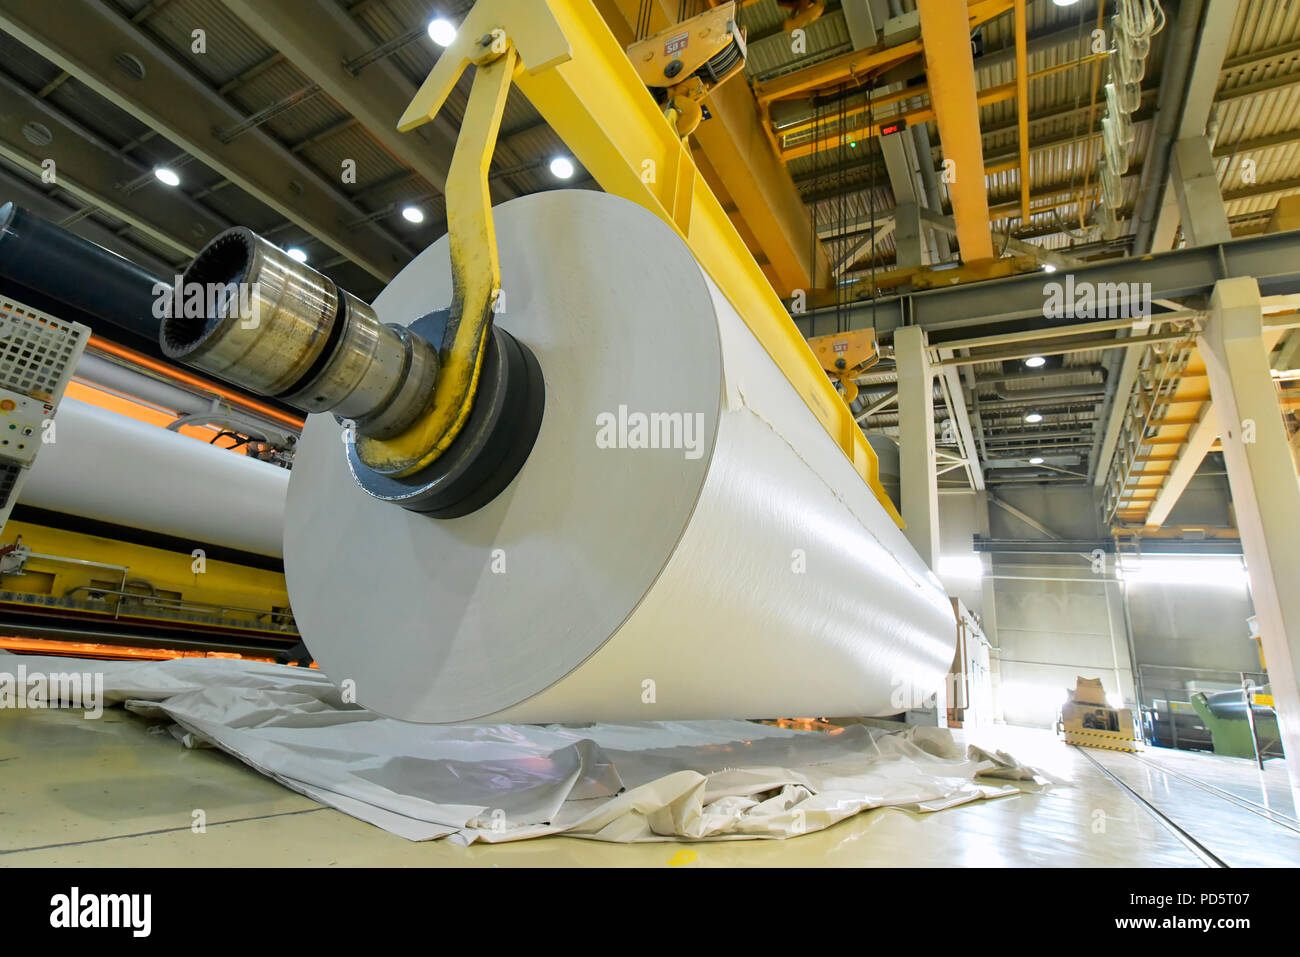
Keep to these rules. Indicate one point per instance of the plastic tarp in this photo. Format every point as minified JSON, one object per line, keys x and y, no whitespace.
{"x":653,"y":781}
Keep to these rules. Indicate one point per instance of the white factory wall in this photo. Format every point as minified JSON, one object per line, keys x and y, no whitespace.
{"x":960,"y":518}
{"x":1051,"y":632}
{"x":1198,"y":626}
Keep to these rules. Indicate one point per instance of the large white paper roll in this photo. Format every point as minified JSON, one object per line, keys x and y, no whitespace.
{"x":111,"y":468}
{"x":744,"y":571}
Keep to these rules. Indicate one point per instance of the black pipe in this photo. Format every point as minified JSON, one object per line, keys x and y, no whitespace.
{"x":44,"y":266}
{"x":63,"y":268}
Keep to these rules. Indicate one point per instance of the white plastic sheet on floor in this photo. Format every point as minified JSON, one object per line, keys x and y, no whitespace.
{"x":653,"y":781}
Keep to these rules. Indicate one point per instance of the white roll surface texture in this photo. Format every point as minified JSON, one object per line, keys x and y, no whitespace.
{"x":744,"y":571}
{"x":111,"y":468}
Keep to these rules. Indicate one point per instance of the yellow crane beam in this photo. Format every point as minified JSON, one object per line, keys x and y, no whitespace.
{"x":574,"y":72}
{"x":860,"y":130}
{"x":742,"y":163}
{"x":950,"y":68}
{"x":859,"y":64}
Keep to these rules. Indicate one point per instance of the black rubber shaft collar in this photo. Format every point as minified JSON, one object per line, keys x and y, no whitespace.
{"x":491,"y":448}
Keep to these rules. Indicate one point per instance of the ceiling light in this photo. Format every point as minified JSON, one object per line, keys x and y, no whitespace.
{"x":561,"y":167}
{"x":1065,"y":3}
{"x":1048,"y":267}
{"x":413,"y":214}
{"x":441,"y":31}
{"x":1035,"y":362}
{"x":166,"y":176}
{"x":1036,"y":460}
{"x":296,"y":254}
{"x":1033,"y":417}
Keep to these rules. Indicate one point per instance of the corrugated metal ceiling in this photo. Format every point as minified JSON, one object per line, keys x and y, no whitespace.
{"x":255,"y":77}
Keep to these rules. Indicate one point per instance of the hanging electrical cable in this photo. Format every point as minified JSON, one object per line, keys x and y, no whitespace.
{"x":812,"y":209}
{"x":843,"y":225}
{"x":643,"y":20}
{"x":872,"y":133}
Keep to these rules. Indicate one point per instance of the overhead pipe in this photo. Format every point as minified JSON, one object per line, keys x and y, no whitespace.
{"x":1020,"y":451}
{"x":1032,"y":436}
{"x":1072,"y":453}
{"x":1049,"y":395}
{"x":1064,"y":479}
{"x":1029,"y":471}
{"x":186,"y":378}
{"x":996,"y":378}
{"x":191,"y":407}
{"x":102,"y":372}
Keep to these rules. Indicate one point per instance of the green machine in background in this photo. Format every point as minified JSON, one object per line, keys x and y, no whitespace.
{"x":1224,"y":713}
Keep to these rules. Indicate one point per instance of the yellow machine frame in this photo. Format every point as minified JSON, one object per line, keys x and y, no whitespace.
{"x":563,"y":58}
{"x":252,"y":600}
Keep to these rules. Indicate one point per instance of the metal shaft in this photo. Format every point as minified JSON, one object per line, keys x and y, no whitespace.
{"x":249,"y":314}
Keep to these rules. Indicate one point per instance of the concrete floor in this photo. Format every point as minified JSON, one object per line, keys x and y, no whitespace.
{"x":111,"y":792}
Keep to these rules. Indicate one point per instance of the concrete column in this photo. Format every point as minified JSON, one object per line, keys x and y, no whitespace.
{"x":899,"y":153}
{"x":920,"y":485}
{"x":865,"y":20}
{"x":1196,"y":184}
{"x":1265,"y":492}
{"x":988,"y":610}
{"x":989,"y":606}
{"x":1125,"y":667}
{"x":908,"y":241}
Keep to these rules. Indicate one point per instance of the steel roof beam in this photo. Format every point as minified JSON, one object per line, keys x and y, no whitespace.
{"x":1180,"y":39}
{"x":183,"y":108}
{"x":1040,"y":253}
{"x":96,"y":171}
{"x":1272,"y":258}
{"x":93,"y":192}
{"x":48,"y":204}
{"x":320,"y":39}
{"x":1199,"y":98}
